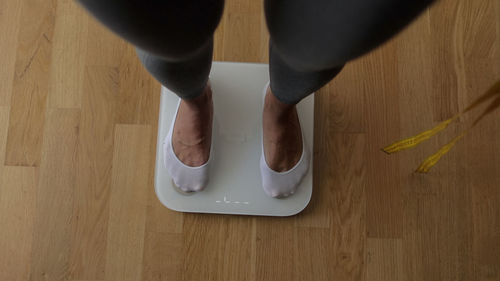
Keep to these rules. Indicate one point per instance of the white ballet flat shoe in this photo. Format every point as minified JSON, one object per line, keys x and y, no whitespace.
{"x":282,"y":184}
{"x":186,"y":178}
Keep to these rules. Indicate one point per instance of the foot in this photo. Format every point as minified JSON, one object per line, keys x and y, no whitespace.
{"x":192,"y":133}
{"x":282,"y":137}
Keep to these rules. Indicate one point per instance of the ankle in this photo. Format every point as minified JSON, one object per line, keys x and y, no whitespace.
{"x":278,"y":108}
{"x":200,"y":102}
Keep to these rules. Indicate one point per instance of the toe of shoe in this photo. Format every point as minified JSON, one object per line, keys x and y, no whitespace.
{"x":195,"y":186}
{"x":188,"y":179}
{"x":279,"y":191}
{"x":281,"y":185}
{"x":189,"y":183}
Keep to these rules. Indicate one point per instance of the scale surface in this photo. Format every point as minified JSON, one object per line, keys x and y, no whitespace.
{"x":235,"y":185}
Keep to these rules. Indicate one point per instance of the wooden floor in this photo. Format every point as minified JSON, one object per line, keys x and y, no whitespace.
{"x":78,"y":127}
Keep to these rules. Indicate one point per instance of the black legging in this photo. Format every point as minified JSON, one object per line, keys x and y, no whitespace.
{"x":310,"y":40}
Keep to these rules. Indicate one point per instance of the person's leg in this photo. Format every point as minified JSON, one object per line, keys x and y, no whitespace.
{"x":174,"y":41}
{"x":310,"y":42}
{"x":312,"y":39}
{"x":173,"y":38}
{"x":186,"y":78}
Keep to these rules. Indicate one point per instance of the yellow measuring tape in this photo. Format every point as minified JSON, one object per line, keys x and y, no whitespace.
{"x":413,"y":141}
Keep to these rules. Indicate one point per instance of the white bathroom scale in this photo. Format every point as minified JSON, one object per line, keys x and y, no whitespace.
{"x":235,"y":185}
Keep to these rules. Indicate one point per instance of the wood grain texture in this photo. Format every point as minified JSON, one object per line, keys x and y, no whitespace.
{"x":103,"y":47}
{"x":242,"y":34}
{"x":4,"y":125}
{"x":17,"y":215}
{"x":127,"y":205}
{"x":275,"y":241}
{"x":384,"y":206}
{"x":437,"y":213}
{"x":52,"y":230}
{"x":31,"y":83}
{"x":384,"y":259}
{"x":93,"y":181}
{"x":347,"y":201}
{"x":163,"y":258}
{"x":447,"y":71}
{"x":333,"y":251}
{"x":79,"y":109}
{"x":139,"y":96}
{"x":9,"y":29}
{"x":483,"y":178}
{"x":68,"y":52}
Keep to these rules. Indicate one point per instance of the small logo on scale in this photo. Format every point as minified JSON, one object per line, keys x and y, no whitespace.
{"x":233,"y":202}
